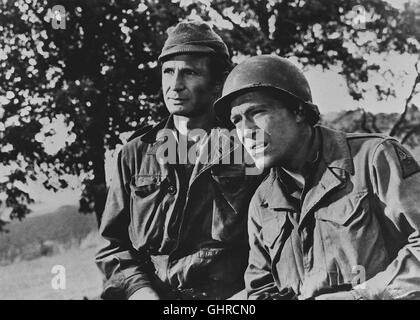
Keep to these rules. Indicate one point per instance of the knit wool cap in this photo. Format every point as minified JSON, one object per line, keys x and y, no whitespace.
{"x":193,"y":37}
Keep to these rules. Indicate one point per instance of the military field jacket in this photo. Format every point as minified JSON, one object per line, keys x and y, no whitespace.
{"x":160,"y":226}
{"x":357,"y":226}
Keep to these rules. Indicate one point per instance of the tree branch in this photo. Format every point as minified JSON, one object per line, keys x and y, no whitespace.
{"x":261,"y":20}
{"x":260,"y":9}
{"x":363,"y":125}
{"x":410,"y":133}
{"x":374,"y":126}
{"x":236,"y":26}
{"x":407,"y":101}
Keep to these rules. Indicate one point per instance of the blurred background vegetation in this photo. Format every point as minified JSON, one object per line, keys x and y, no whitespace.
{"x":97,"y":79}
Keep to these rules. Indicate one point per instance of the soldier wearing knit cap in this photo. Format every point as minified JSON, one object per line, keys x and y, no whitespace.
{"x":178,"y":231}
{"x":194,"y":37}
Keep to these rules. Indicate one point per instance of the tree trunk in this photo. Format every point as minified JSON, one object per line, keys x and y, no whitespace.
{"x":99,"y":190}
{"x":96,"y":137}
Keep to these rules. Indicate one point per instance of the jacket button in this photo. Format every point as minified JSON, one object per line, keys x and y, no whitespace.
{"x":171,"y":190}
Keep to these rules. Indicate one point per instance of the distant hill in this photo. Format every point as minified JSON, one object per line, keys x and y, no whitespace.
{"x":34,"y":236}
{"x":360,"y":121}
{"x":351,"y":120}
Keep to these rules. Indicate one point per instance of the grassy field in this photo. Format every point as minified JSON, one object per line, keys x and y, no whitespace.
{"x":35,"y":245}
{"x":44,"y":235}
{"x":26,"y":280}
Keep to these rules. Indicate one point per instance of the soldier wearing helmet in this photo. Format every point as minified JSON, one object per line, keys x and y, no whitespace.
{"x":338,"y":217}
{"x":177,"y":230}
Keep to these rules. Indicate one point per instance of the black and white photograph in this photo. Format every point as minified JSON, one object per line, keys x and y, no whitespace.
{"x":221,"y":151}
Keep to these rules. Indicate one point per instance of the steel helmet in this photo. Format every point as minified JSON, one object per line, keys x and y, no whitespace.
{"x":266,"y":71}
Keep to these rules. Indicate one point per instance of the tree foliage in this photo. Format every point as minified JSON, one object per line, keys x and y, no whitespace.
{"x":404,"y":126}
{"x":100,"y":73}
{"x":361,"y":121}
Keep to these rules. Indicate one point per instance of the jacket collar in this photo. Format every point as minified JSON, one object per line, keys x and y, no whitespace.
{"x":276,"y":197}
{"x":153,"y":135}
{"x":157,"y":135}
{"x":335,"y":149}
{"x":335,"y":163}
{"x":219,"y":145}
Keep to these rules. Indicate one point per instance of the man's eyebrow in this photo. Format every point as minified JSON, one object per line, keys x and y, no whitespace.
{"x":181,"y":68}
{"x":248,"y":110}
{"x":233,"y":115}
{"x":255,"y":106}
{"x":190,"y":68}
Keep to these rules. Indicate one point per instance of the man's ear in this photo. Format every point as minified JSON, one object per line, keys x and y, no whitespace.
{"x":300,"y":114}
{"x":218,"y":88}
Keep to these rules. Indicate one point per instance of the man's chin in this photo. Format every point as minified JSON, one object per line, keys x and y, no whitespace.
{"x":186,"y":113}
{"x":181,"y":111}
{"x":259,"y":163}
{"x":182,"y":114}
{"x":263,"y":162}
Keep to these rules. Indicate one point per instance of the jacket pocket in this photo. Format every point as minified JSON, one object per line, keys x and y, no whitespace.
{"x":346,"y":210}
{"x":144,"y":185}
{"x":351,"y":236}
{"x":147,"y":214}
{"x":273,"y":227}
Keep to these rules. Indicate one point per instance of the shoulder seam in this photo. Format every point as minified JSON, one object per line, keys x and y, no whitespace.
{"x":364,"y":136}
{"x":381,"y":144}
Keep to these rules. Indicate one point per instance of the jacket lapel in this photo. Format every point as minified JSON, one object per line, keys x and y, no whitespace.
{"x":335,"y":164}
{"x":156,"y":137}
{"x":216,"y":148}
{"x":329,"y":181}
{"x":276,"y":199}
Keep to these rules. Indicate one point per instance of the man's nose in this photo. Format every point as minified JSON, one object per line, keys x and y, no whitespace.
{"x":248,"y":129}
{"x":177,"y":81}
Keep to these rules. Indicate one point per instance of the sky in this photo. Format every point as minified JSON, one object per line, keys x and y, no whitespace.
{"x":329,"y":92}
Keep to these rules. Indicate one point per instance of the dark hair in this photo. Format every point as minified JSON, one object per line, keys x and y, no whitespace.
{"x":294,"y":105}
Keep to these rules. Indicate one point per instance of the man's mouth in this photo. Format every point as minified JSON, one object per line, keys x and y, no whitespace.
{"x":258,"y":148}
{"x":178,"y":99}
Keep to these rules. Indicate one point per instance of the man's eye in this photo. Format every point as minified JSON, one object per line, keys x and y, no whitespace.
{"x":235,"y":120}
{"x":190,"y":72}
{"x":168,"y":71}
{"x":257,"y":112}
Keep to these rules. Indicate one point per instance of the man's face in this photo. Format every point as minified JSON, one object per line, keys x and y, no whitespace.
{"x":187,"y":87}
{"x":268,"y":130}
